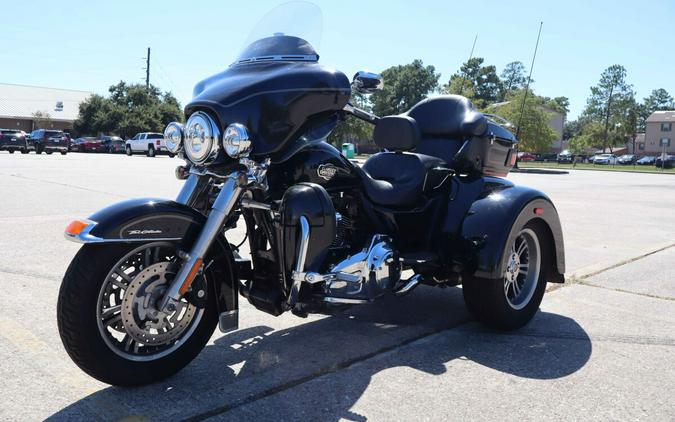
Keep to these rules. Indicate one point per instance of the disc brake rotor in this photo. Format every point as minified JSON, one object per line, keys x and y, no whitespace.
{"x":140,"y":316}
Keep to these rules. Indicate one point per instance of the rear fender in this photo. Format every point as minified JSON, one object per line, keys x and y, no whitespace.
{"x":492,"y":222}
{"x":151,"y":220}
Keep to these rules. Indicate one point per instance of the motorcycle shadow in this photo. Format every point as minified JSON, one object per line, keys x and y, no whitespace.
{"x":317,"y":370}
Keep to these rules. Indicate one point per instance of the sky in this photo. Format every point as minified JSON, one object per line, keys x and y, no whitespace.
{"x":90,"y":45}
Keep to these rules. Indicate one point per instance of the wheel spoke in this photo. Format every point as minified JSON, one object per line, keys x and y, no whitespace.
{"x":113,"y":321}
{"x":148,"y":254}
{"x":130,"y":343}
{"x":121,"y":273}
{"x":522,"y":247}
{"x":108,"y":312}
{"x":516,"y":289}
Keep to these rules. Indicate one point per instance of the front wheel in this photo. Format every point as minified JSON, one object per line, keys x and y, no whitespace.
{"x":511,"y":302}
{"x":108,"y":318}
{"x":127,"y":150}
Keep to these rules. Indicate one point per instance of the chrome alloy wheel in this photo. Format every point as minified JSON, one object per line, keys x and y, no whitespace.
{"x":126,"y":312}
{"x":522,"y":269}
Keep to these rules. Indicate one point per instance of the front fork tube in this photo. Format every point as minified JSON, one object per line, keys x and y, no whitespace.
{"x":220,"y":211}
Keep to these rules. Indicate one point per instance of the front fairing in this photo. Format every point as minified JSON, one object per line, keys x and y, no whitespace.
{"x":277,"y":100}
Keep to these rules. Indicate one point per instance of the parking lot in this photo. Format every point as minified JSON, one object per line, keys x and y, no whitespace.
{"x":602,"y":346}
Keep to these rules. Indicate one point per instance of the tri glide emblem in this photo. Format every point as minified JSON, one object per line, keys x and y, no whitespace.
{"x":145,"y":231}
{"x":326,"y":171}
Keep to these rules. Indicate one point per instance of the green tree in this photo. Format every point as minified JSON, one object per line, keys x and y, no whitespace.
{"x":460,"y":85}
{"x":404,"y":86}
{"x":535,"y":133}
{"x":609,"y":100}
{"x":658,"y":100}
{"x":591,"y":136}
{"x":572,"y":129}
{"x":559,"y":104}
{"x":42,"y":120}
{"x":130,"y":108}
{"x":354,"y":130}
{"x":513,"y":78}
{"x":480,"y":80}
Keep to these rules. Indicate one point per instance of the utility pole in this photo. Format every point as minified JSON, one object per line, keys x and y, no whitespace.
{"x":147,"y":70}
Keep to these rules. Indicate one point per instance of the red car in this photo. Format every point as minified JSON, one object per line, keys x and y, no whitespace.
{"x":88,"y":144}
{"x":525,"y":156}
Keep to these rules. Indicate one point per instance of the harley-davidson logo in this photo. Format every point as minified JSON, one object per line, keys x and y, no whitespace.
{"x":326,"y":171}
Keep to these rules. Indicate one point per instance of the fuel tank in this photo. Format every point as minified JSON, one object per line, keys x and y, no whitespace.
{"x":317,"y":162}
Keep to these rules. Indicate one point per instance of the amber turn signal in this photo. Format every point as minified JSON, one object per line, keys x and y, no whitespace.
{"x":75,"y":227}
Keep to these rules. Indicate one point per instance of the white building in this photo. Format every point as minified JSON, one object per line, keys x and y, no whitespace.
{"x":19,"y":103}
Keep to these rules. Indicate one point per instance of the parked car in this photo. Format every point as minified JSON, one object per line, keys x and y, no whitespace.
{"x":666,"y":162}
{"x":605,"y":159}
{"x":525,"y":156}
{"x":13,"y":140}
{"x":48,"y":141}
{"x":149,"y":143}
{"x":646,"y":161}
{"x":113,"y":144}
{"x":75,"y":144}
{"x":546,"y":157}
{"x":89,"y":144}
{"x":627,"y":159}
{"x":565,"y":157}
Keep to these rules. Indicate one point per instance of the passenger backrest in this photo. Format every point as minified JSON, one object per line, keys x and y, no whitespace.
{"x":396,"y":133}
{"x":448,"y":116}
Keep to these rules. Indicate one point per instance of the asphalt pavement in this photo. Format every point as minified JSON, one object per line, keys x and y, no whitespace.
{"x":602,"y":347}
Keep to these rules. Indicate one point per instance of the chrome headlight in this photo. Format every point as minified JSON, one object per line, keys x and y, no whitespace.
{"x":173,"y":137}
{"x":201,"y":138}
{"x":236,"y":141}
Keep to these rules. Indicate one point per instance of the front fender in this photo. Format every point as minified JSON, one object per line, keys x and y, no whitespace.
{"x":492,"y":221}
{"x":150,"y":220}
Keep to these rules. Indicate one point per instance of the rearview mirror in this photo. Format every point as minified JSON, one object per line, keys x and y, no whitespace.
{"x":367,"y":82}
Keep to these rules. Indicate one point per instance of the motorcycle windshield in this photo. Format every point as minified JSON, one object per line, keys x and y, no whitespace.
{"x":289,"y":32}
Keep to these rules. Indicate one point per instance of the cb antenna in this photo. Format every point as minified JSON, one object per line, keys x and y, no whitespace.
{"x":461,"y":87}
{"x":529,"y":78}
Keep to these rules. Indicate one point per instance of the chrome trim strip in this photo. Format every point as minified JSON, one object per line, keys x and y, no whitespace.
{"x":249,"y":203}
{"x":300,"y":264}
{"x":86,"y":237}
{"x":278,"y":58}
{"x":344,"y":300}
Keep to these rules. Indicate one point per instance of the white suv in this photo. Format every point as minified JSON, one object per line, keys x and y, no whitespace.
{"x":149,"y":143}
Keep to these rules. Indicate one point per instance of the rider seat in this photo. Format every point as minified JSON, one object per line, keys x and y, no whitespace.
{"x":396,"y":177}
{"x":436,"y":129}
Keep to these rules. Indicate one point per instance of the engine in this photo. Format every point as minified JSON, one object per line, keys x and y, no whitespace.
{"x":365,"y":275}
{"x":325,"y":249}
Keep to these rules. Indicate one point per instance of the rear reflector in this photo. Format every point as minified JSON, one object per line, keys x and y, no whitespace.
{"x":75,"y":227}
{"x":539,"y":211}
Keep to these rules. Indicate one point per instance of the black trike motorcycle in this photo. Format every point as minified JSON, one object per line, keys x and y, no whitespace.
{"x":154,"y":277}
